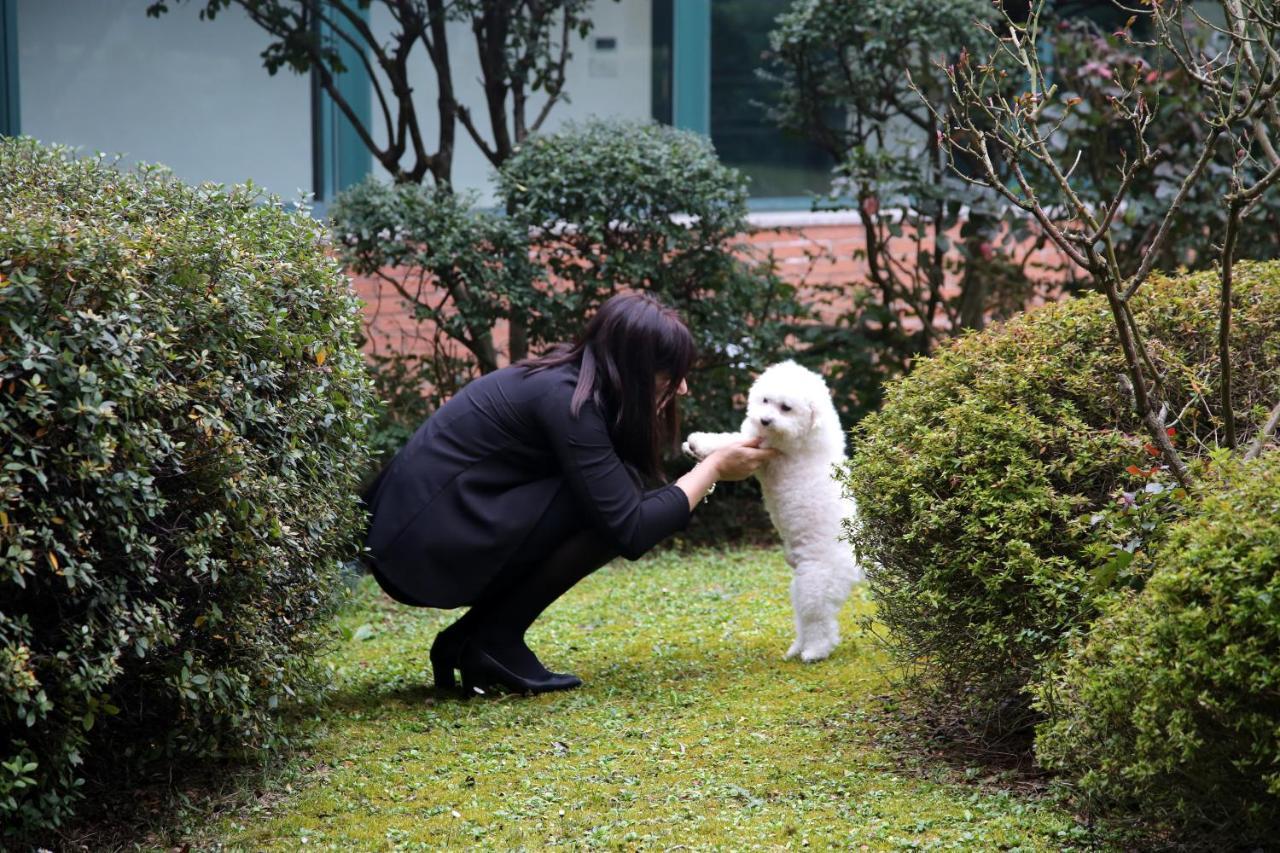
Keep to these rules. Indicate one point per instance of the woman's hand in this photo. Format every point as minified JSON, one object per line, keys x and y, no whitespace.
{"x":741,"y":459}
{"x":736,"y":461}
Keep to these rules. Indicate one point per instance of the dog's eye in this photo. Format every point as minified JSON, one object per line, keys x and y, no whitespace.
{"x":765,"y":401}
{"x":785,"y":407}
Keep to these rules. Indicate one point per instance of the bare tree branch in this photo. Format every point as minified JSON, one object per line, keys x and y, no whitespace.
{"x":1268,"y":428}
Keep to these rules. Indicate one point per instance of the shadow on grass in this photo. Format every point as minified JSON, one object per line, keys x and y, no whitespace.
{"x":173,"y":805}
{"x":371,"y":697}
{"x":627,"y":681}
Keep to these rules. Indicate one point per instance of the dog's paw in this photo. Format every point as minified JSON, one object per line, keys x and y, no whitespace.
{"x":696,"y":446}
{"x":793,"y":651}
{"x":815,"y":652}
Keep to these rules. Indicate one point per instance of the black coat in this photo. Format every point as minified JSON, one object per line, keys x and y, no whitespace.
{"x":456,"y":502}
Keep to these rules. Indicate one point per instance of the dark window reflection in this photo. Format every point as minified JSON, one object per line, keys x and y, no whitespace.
{"x":778,"y":164}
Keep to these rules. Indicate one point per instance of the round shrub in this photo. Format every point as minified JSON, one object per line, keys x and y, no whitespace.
{"x":1171,"y":703}
{"x":182,"y":412}
{"x":979,"y":480}
{"x":616,"y":205}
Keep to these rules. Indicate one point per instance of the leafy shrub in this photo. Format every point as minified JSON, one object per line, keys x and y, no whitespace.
{"x":1170,"y":704}
{"x":981,"y":481}
{"x":425,"y":244}
{"x":459,"y":269}
{"x":631,"y":205}
{"x":182,"y":419}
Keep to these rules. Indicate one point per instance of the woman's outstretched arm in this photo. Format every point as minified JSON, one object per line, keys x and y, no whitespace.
{"x":632,"y":519}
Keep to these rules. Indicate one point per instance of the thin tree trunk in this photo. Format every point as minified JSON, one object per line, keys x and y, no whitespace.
{"x":1260,"y":441}
{"x":446,"y":101}
{"x":1141,"y":395}
{"x":1224,"y":324}
{"x":974,"y":288}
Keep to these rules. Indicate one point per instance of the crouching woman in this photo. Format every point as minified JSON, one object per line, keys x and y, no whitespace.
{"x":530,"y":478}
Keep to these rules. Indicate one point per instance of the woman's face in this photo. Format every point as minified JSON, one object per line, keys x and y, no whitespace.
{"x":662,"y":388}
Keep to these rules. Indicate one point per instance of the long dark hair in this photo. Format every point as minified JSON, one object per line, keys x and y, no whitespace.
{"x":631,"y":339}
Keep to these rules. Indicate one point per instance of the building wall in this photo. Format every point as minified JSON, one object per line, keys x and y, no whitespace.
{"x":101,"y":75}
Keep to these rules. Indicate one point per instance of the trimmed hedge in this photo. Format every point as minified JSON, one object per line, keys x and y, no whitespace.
{"x":183,"y":408}
{"x":1172,"y":704}
{"x":982,"y":479}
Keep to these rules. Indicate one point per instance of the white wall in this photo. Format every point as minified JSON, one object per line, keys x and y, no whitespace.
{"x":616,"y":84}
{"x":190,"y":94}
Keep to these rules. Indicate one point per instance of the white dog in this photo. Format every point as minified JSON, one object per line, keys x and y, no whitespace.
{"x":790,"y":408}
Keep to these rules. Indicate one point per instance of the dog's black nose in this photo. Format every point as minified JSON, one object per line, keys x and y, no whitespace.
{"x":766,"y":421}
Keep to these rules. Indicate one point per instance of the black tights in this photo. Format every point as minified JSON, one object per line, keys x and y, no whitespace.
{"x":499,"y":619}
{"x":557,"y":554}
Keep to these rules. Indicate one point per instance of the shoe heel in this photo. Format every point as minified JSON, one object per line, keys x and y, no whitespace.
{"x":442,"y":667}
{"x":481,"y":672}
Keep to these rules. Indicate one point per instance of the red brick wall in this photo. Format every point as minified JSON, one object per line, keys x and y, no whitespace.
{"x":808,"y":255}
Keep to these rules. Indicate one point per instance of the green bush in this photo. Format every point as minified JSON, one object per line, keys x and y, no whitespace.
{"x":984,"y":481}
{"x":423,"y":244}
{"x":1171,"y":703}
{"x":631,"y":205}
{"x":182,"y":410}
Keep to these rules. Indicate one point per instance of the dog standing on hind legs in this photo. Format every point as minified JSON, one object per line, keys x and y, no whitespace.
{"x":790,"y":408}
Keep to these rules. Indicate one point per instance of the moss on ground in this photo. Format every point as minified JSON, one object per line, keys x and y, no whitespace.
{"x":691,"y":730}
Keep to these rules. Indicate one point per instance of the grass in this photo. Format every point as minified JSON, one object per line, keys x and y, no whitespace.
{"x":690,"y":731}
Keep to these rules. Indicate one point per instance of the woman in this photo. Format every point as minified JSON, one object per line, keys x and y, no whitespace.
{"x":528,"y":480}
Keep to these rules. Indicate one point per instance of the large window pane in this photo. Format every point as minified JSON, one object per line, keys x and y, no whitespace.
{"x":187,"y":93}
{"x":778,"y":164}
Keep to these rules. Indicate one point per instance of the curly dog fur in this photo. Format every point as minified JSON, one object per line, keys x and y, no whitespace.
{"x":790,"y":408}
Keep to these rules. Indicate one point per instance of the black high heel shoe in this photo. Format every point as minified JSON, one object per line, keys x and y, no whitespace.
{"x":446,"y":656}
{"x":480,"y":670}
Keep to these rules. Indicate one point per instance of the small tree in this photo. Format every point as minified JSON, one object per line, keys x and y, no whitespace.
{"x":841,"y":67}
{"x":460,"y":269}
{"x":523,"y":47}
{"x":1023,"y":145}
{"x":1097,"y":66}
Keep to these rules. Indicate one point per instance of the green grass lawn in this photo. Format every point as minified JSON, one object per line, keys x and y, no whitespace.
{"x":690,"y":730}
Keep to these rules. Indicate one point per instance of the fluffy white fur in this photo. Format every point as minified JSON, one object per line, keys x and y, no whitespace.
{"x":790,"y":408}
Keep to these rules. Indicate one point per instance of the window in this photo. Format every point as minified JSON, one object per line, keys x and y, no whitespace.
{"x":178,"y":91}
{"x":706,"y":55}
{"x":778,"y":163}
